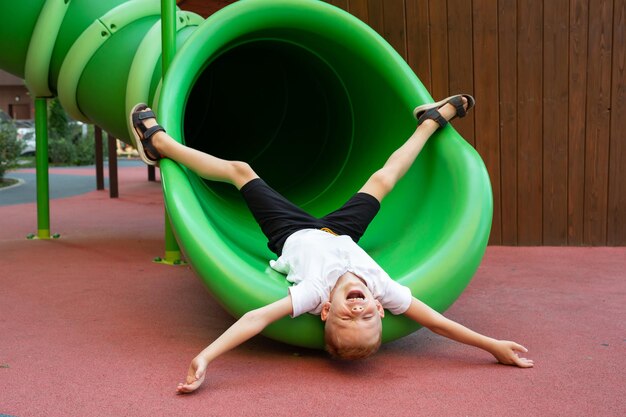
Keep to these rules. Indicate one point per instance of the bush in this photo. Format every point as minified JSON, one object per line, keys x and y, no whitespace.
{"x":58,"y":122}
{"x":10,"y":147}
{"x":61,"y":151}
{"x":85,"y":151}
{"x":67,"y":146}
{"x":76,"y":151}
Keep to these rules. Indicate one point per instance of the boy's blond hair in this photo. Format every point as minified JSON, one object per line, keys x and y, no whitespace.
{"x":345,"y":351}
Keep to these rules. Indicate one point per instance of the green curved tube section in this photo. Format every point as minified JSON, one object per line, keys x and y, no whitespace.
{"x":315,"y":101}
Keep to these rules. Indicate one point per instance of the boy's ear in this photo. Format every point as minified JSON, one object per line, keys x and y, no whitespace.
{"x":381,"y":310}
{"x":325,"y":310}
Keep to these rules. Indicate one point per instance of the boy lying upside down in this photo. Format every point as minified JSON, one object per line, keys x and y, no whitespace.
{"x":332,"y":276}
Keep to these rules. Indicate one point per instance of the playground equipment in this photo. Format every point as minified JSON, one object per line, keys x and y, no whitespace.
{"x":309,"y":95}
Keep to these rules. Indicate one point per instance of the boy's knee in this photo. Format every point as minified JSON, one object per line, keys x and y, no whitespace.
{"x":242,"y":172}
{"x":241,"y":168}
{"x":384,"y":180}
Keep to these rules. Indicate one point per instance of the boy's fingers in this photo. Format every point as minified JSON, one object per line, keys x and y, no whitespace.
{"x":187,"y":388}
{"x":519,"y":348}
{"x":524,"y":363}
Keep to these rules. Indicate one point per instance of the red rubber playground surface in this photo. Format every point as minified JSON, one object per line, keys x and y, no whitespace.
{"x":90,"y":326}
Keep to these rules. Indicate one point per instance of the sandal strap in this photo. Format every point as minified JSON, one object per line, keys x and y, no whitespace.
{"x":146,"y":142}
{"x":139,"y":116}
{"x":147,"y":134}
{"x":143,"y":115}
{"x":433,"y":114}
{"x":457,"y":102}
{"x":148,"y":146}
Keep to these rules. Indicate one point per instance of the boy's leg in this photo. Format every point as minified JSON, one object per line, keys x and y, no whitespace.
{"x":277,"y":216}
{"x":207,"y":166}
{"x":383,"y":180}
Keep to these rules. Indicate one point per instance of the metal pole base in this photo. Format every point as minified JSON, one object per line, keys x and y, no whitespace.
{"x":43,"y":235}
{"x":172,"y":258}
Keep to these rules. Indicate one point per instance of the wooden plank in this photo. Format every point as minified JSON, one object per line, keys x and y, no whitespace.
{"x":616,"y":234}
{"x":375,"y":14}
{"x":578,"y":45}
{"x":394,"y":24}
{"x":460,"y":60}
{"x":507,"y":58}
{"x":529,"y":124}
{"x":342,"y":4}
{"x":204,"y":8}
{"x":485,"y":39}
{"x":418,"y":40}
{"x":555,"y":120}
{"x":598,"y":122}
{"x":358,"y":8}
{"x":438,"y":17}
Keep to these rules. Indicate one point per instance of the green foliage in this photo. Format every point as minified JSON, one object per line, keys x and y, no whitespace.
{"x":58,"y":122}
{"x":67,"y":146}
{"x":85,"y":151}
{"x":75,"y":151}
{"x":61,"y":151}
{"x":10,"y":147}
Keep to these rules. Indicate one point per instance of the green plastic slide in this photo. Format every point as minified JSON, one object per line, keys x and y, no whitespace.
{"x":309,"y":95}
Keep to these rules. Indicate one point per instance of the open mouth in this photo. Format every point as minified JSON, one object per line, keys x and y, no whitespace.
{"x":355,"y":295}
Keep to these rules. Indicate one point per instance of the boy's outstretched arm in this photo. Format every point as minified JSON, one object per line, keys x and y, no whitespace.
{"x":249,"y":325}
{"x":504,"y":351}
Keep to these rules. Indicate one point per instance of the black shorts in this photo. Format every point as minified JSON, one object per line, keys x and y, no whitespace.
{"x":279,"y":217}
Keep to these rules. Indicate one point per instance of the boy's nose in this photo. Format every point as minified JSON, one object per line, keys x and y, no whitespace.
{"x":357,"y":309}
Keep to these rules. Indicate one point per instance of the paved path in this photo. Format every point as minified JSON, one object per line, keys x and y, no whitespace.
{"x":64,"y":182}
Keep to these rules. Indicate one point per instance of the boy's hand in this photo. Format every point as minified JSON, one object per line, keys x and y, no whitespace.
{"x":195,"y":376}
{"x":248,"y":325}
{"x":506,"y":352}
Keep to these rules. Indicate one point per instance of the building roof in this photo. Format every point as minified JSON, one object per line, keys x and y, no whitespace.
{"x":7,"y":79}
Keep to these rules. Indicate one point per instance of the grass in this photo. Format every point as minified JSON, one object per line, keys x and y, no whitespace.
{"x":7,"y":182}
{"x":26,"y":162}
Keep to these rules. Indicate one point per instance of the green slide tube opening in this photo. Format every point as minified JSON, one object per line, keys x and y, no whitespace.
{"x":315,"y":101}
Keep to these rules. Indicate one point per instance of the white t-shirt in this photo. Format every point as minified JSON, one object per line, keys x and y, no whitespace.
{"x":314,"y":260}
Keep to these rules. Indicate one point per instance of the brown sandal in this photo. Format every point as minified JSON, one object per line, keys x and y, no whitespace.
{"x":143,"y":135}
{"x":430,"y":110}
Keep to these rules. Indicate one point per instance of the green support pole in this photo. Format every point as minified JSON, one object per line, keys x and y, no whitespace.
{"x":43,"y":192}
{"x":173,"y":255}
{"x":168,"y":46}
{"x":168,"y":32}
{"x":41,"y":156}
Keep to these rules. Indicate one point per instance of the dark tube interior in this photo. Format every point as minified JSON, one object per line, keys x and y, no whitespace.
{"x":277,"y":106}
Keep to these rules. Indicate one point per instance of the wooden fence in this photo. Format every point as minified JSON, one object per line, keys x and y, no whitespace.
{"x":549,"y":78}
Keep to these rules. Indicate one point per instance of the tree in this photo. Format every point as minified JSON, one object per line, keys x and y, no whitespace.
{"x":58,"y":122}
{"x":10,"y":147}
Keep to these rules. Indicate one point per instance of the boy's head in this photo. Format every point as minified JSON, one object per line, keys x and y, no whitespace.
{"x":353,"y":319}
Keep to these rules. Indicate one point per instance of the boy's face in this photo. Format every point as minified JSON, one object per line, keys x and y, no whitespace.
{"x":352,"y":309}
